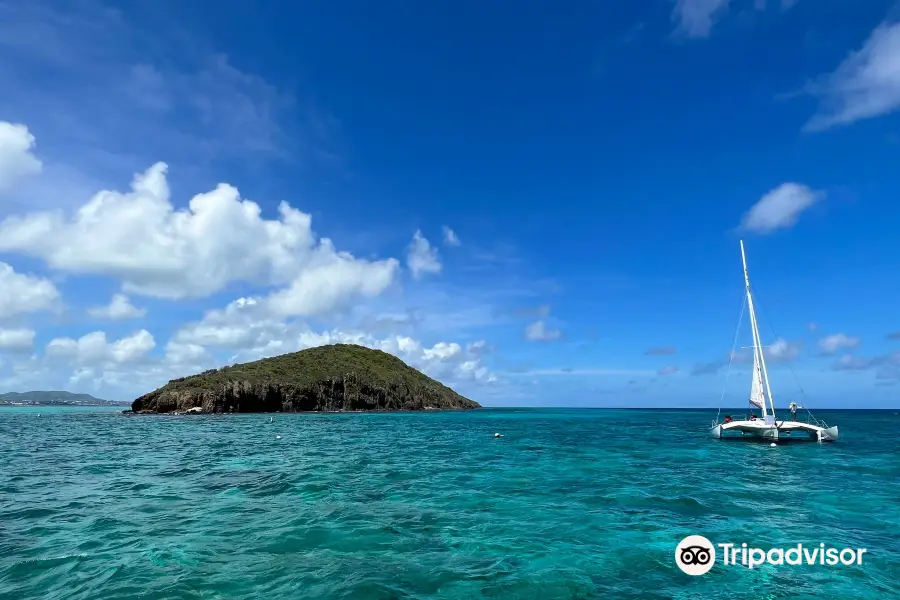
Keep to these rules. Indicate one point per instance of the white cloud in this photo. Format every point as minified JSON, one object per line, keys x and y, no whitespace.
{"x":780,"y":208}
{"x":158,"y":250}
{"x":865,"y":85}
{"x":16,"y":340}
{"x":120,"y":369}
{"x":243,"y":324}
{"x":93,"y":349}
{"x":450,"y":237}
{"x":669,"y":370}
{"x":695,"y":18}
{"x":422,"y":258}
{"x":782,"y":351}
{"x":181,"y":353}
{"x":832,"y":343}
{"x":25,"y":293}
{"x":329,"y":280}
{"x":16,"y":157}
{"x":119,"y":308}
{"x":540,"y":332}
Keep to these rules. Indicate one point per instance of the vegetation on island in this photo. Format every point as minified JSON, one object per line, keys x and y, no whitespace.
{"x":338,"y":377}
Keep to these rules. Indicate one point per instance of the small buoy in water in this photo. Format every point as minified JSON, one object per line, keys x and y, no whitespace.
{"x":773,"y":444}
{"x":271,"y":420}
{"x":277,"y":437}
{"x":496,"y":435}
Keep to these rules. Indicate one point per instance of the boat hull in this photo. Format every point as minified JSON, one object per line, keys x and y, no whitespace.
{"x":779,"y":430}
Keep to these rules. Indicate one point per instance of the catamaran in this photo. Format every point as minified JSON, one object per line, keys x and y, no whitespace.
{"x":767,"y":425}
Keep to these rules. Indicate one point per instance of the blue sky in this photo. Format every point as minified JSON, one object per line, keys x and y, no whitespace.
{"x":596,"y":163}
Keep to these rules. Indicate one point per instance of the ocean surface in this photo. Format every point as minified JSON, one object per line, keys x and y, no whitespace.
{"x":568,"y":504}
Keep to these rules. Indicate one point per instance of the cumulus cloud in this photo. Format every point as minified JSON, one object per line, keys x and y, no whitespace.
{"x":93,"y":349}
{"x":16,"y":340}
{"x":450,"y":237}
{"x":421,"y":257}
{"x":124,"y":368}
{"x":865,"y":85}
{"x":25,"y":293}
{"x":832,"y":343}
{"x":17,"y":159}
{"x":119,"y":307}
{"x":183,"y":354}
{"x":330,"y":280}
{"x":243,"y":324}
{"x":219,"y":239}
{"x":540,"y":332}
{"x":780,"y":208}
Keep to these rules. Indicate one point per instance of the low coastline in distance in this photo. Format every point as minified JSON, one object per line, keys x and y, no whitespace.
{"x":54,"y":398}
{"x":332,"y":378}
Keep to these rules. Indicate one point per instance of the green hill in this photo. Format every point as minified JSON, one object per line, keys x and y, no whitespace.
{"x":339,"y":377}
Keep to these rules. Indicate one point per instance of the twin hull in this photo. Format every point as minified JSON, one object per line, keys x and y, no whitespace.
{"x":782,"y":430}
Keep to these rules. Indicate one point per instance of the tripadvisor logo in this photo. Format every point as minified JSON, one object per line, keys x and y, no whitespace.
{"x":696,"y":555}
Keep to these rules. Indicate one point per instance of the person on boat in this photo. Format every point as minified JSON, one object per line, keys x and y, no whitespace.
{"x":728,"y":418}
{"x":752,"y":417}
{"x":793,"y":408}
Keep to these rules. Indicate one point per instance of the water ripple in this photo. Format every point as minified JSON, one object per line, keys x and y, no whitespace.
{"x":586,"y":504}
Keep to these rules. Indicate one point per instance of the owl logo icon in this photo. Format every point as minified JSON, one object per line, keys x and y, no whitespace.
{"x":695,"y":555}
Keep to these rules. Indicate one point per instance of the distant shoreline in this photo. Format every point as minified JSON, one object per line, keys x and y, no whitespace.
{"x":19,"y":404}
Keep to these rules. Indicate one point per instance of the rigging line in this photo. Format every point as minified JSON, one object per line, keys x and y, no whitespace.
{"x":731,"y":355}
{"x":790,"y":367}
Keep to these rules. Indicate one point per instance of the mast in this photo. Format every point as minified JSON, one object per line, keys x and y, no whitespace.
{"x":757,"y":344}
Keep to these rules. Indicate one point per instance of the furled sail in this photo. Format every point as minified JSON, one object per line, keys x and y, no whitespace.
{"x":757,"y":398}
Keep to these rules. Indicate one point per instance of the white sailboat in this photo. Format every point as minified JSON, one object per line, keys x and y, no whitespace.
{"x":767,"y":426}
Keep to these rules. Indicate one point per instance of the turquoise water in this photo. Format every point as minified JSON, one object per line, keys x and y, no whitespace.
{"x":568,"y":504}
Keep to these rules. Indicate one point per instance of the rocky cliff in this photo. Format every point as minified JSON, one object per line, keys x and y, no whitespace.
{"x":339,"y":377}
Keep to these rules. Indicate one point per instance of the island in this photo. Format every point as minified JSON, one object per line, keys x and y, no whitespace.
{"x":54,"y":398}
{"x":333,"y":378}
